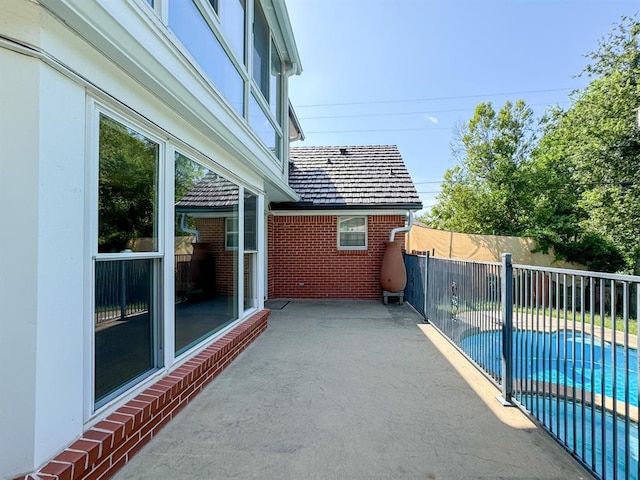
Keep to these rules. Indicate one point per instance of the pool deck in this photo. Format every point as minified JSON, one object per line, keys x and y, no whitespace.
{"x":350,"y":390}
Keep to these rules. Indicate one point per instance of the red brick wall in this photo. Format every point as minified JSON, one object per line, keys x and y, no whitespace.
{"x":111,"y":443}
{"x":304,"y":260}
{"x":212,"y":231}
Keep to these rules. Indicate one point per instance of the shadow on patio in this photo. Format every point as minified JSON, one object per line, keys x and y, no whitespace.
{"x":350,"y":390}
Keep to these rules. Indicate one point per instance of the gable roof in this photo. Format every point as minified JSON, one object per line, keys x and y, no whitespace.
{"x":368,"y":176}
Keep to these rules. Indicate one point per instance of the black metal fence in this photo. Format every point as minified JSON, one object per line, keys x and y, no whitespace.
{"x":560,"y":344}
{"x":122,"y":288}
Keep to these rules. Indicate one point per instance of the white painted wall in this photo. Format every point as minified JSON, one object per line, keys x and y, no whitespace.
{"x":42,"y":125}
{"x":61,"y":261}
{"x":19,"y":198}
{"x":44,"y":261}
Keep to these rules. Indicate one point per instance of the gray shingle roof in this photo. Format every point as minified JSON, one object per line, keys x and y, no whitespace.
{"x":371,"y":176}
{"x":352,"y":176}
{"x":212,"y":192}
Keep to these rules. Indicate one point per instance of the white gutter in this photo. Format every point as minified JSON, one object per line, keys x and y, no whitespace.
{"x":185,"y":229}
{"x":402,"y":229}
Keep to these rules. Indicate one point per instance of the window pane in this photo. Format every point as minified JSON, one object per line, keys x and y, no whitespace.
{"x":191,"y":28}
{"x":128,"y":189}
{"x":124,"y":327}
{"x":353,"y":224}
{"x":261,"y":50}
{"x":231,"y":15}
{"x":352,"y":239}
{"x":206,"y":272}
{"x":250,"y":278}
{"x":250,"y":221}
{"x":262,"y":126}
{"x":231,"y":231}
{"x":274,"y":84}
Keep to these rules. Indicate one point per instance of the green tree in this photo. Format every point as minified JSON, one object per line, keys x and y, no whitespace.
{"x":128,"y":183}
{"x":488,"y":191}
{"x":594,"y":148}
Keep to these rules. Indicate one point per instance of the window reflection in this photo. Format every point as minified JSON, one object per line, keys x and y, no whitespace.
{"x":128,"y":189}
{"x":191,"y":28}
{"x":206,"y":271}
{"x":251,"y":248}
{"x":274,"y":84}
{"x":231,"y":13}
{"x":124,"y":326}
{"x":262,"y":126}
{"x":261,"y":50}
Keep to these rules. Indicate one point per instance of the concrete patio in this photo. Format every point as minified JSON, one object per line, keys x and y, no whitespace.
{"x":350,"y":390}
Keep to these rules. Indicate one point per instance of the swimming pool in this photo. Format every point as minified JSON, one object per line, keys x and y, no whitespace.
{"x":549,"y":361}
{"x":564,"y":358}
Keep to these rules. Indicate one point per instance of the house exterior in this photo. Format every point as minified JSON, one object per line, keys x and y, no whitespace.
{"x":112,"y":315}
{"x":330,"y":243}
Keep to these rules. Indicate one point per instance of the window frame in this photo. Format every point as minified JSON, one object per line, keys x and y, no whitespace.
{"x":228,"y":231}
{"x":343,"y":218}
{"x":130,"y":120}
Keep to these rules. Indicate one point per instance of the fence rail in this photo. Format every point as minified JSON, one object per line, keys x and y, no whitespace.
{"x":561,"y":344}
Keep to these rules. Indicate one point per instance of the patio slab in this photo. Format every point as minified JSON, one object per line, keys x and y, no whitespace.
{"x":350,"y":390}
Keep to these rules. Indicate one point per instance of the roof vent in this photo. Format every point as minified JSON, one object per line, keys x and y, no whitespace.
{"x":329,"y":160}
{"x":344,"y":151}
{"x":391,"y":172}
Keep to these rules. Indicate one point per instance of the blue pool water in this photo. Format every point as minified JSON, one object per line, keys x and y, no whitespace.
{"x":563,"y":357}
{"x":582,"y":362}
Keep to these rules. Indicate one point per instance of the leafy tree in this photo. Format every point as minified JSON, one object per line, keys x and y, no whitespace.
{"x":127,"y":192}
{"x":578,"y":188}
{"x":487,"y":192}
{"x":595,"y":148}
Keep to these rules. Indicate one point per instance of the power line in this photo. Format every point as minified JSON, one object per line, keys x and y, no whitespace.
{"x":423,"y":183}
{"x":369,"y":102}
{"x":383,"y":130}
{"x":351,"y":115}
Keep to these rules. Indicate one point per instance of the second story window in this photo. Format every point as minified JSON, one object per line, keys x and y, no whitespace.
{"x":261,"y":50}
{"x":231,"y":14}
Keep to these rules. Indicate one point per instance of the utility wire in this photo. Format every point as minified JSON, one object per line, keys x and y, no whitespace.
{"x":383,"y":130}
{"x":409,"y":113}
{"x":457,"y":97}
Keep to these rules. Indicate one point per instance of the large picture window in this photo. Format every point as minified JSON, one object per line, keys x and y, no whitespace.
{"x":352,"y":233}
{"x":141,"y":321}
{"x":206,"y":253}
{"x":128,"y":259}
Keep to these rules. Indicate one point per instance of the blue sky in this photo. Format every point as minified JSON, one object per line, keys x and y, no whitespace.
{"x":405,"y":72}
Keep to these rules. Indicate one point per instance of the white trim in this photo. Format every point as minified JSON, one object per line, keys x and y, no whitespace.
{"x":260,"y":273}
{"x":240,"y":249}
{"x":91,"y":240}
{"x":341,"y":213}
{"x":168,"y":284}
{"x":204,"y":120}
{"x":366,"y":233}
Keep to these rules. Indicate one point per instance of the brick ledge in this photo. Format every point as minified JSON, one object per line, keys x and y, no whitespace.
{"x":110,"y":444}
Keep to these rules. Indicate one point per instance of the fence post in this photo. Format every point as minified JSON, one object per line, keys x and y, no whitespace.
{"x":123,"y":289}
{"x":507,"y":329}
{"x":426,"y":286}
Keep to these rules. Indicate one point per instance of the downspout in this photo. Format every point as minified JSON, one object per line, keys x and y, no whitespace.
{"x":402,"y":229}
{"x":185,"y":229}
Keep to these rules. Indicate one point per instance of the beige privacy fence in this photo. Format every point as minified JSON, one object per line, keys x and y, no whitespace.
{"x":484,"y":248}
